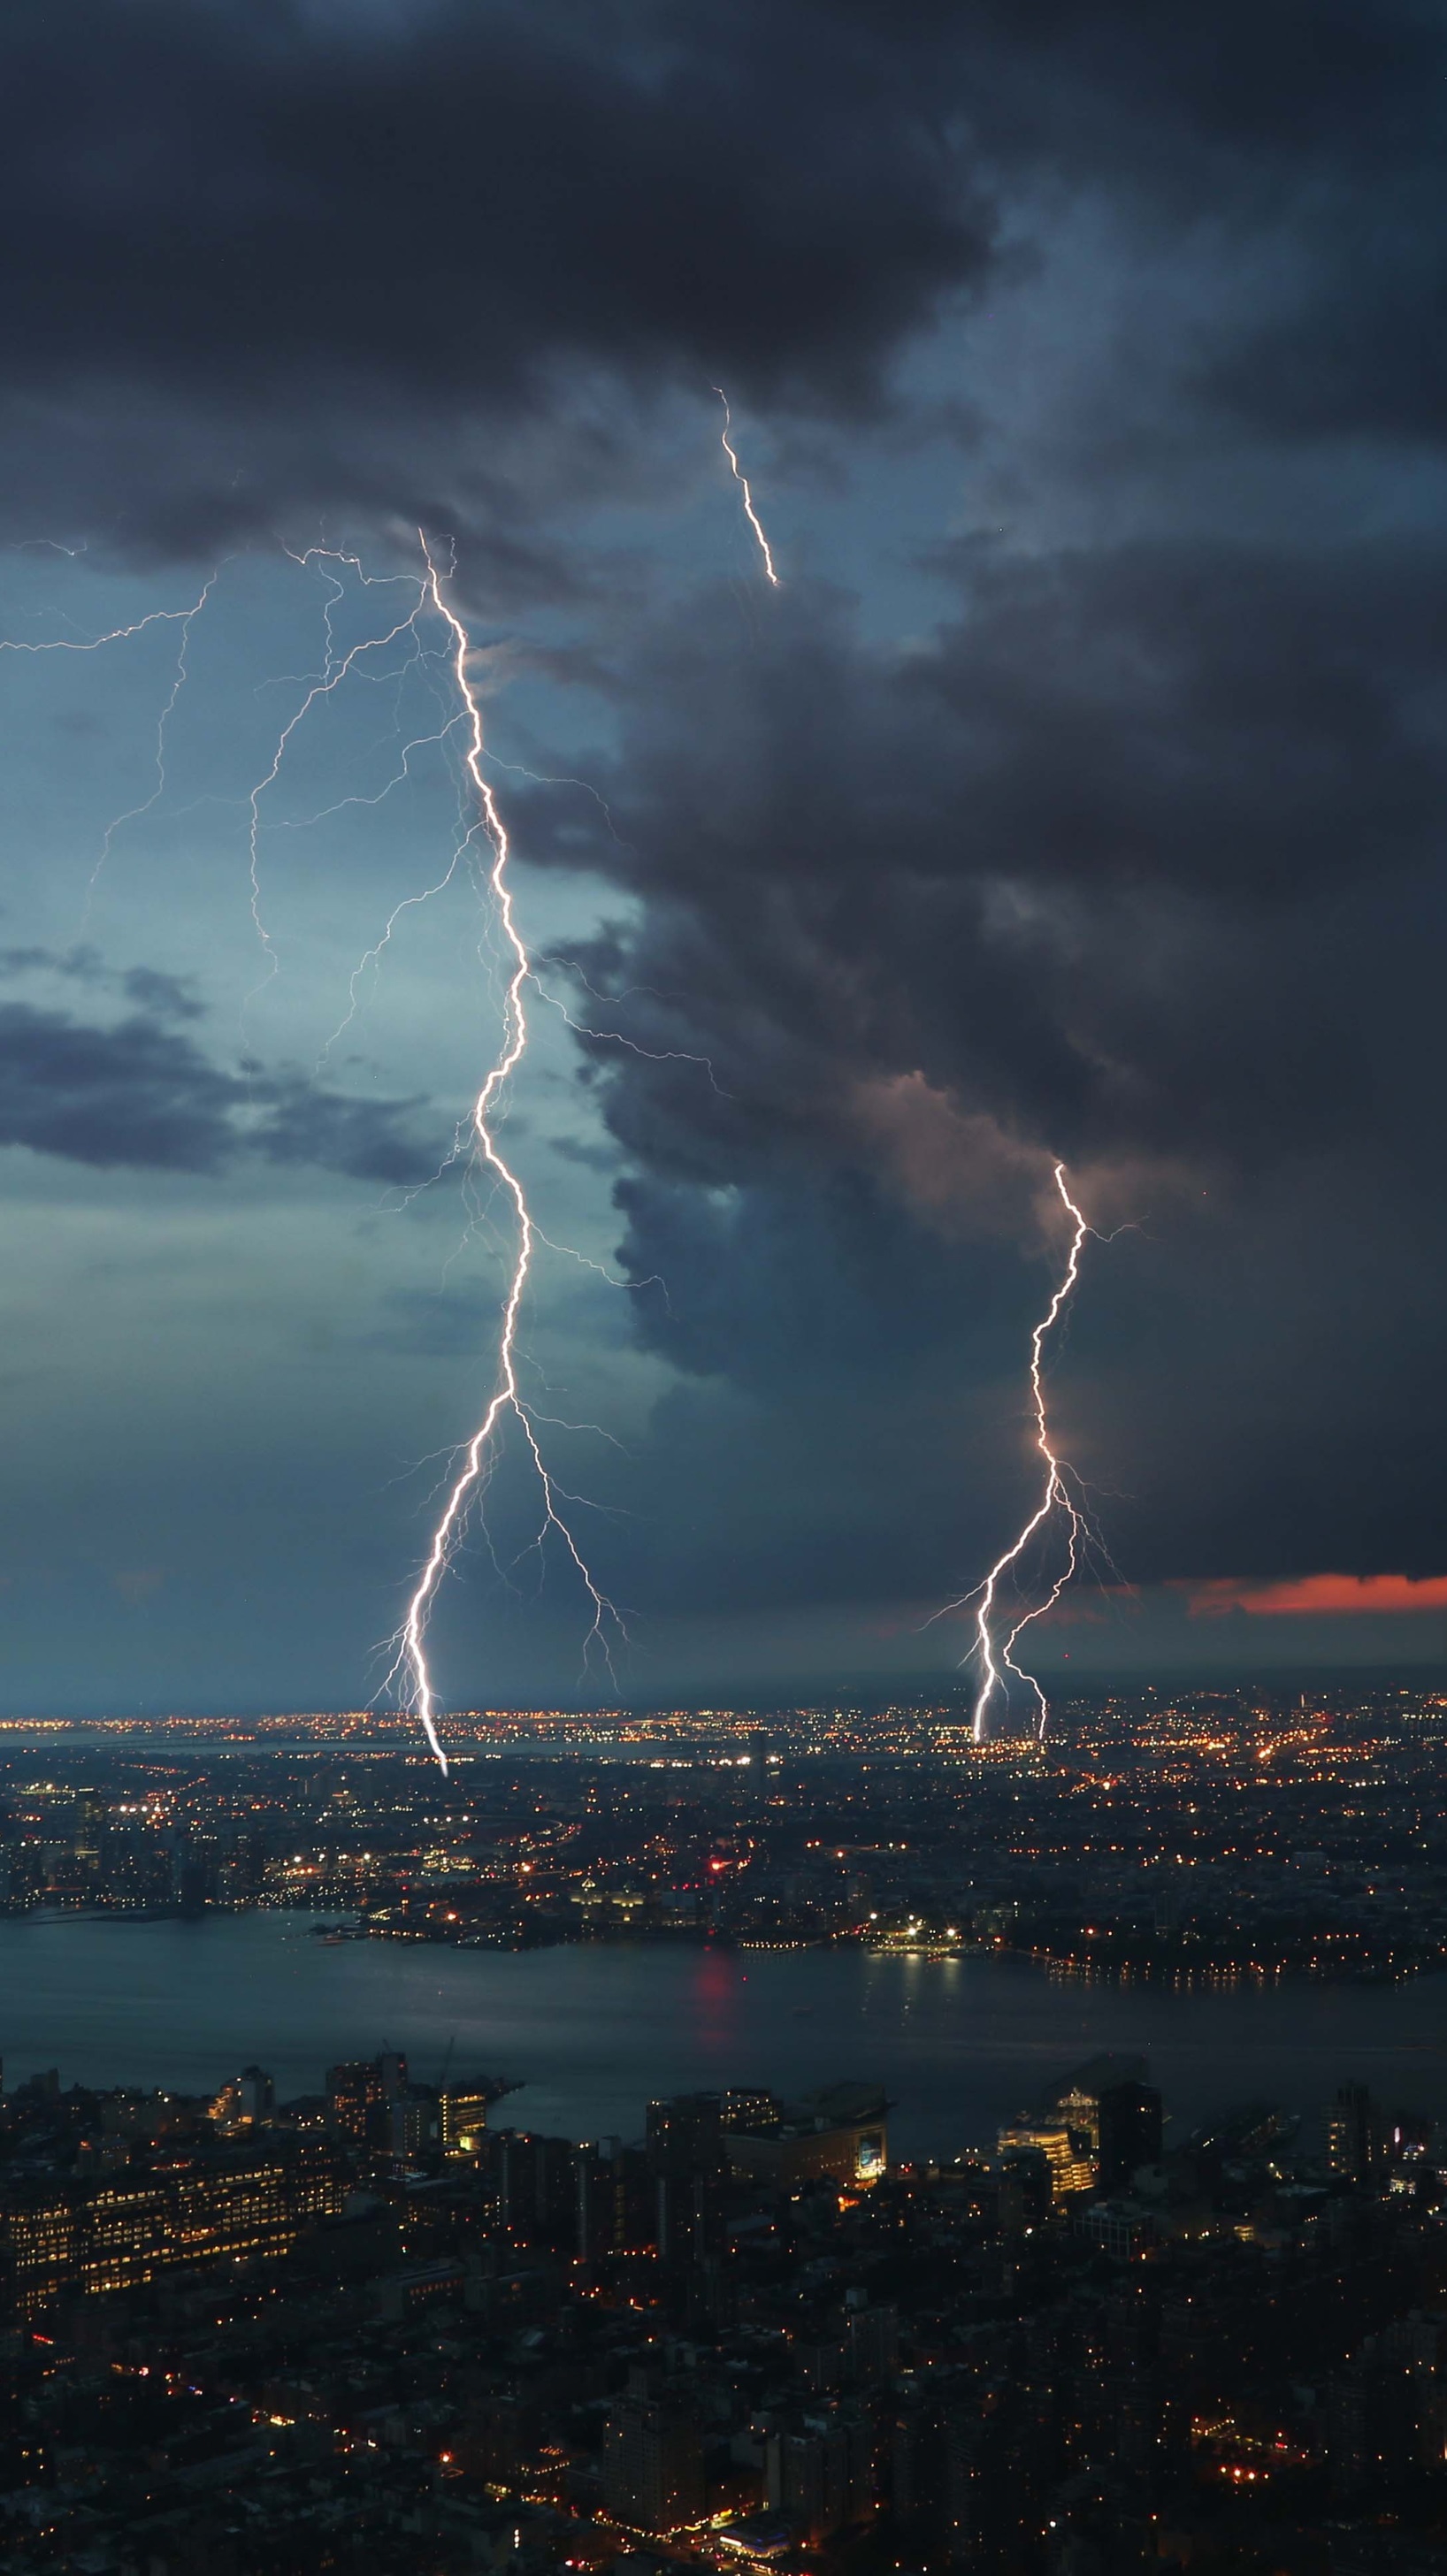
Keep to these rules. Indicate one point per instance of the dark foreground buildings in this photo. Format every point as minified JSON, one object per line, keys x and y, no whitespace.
{"x":368,"y":2331}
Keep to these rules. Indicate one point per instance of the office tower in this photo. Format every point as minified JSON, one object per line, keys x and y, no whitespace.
{"x":1352,"y":2134}
{"x":820,"y":2473}
{"x":255,"y":2093}
{"x":1129,"y":2121}
{"x":653,"y":2463}
{"x":354,"y":2098}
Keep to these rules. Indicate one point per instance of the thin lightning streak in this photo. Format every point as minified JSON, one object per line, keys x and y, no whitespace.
{"x":467,"y":1480}
{"x":556,"y":1422}
{"x":117,"y":635}
{"x":412,"y":1645}
{"x":182,"y":617}
{"x":540,"y":778}
{"x":419,"y":742}
{"x":615,"y":1037}
{"x":586,"y":1262}
{"x":742,"y":480}
{"x":1055,"y":1499}
{"x":372,"y":955}
{"x":135,"y":812}
{"x":333,"y":674}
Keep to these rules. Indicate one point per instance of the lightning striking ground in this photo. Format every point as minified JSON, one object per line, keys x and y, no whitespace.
{"x":742,"y":480}
{"x":425,"y":590}
{"x":411,"y":1657}
{"x":1056,"y":1503}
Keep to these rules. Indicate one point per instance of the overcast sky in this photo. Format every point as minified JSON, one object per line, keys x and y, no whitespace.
{"x":1079,"y":792}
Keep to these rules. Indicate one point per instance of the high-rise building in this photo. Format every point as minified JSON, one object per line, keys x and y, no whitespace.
{"x":820,"y":2473}
{"x":616,"y":2201}
{"x":1352,"y":2134}
{"x":653,"y":2463}
{"x":462,"y":2113}
{"x":685,"y":2135}
{"x":749,"y":2106}
{"x":412,"y":2123}
{"x":256,"y":2095}
{"x":354,"y":2098}
{"x":87,"y":1825}
{"x":1077,"y":2101}
{"x":118,"y":2233}
{"x":537,"y":2188}
{"x":1065,"y":2153}
{"x":1129,"y":2127}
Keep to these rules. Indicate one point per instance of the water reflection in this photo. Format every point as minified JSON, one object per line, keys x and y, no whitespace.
{"x":961,"y":2043}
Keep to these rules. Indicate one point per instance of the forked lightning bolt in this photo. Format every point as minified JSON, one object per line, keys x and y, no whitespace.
{"x":412,"y":1641}
{"x":426,"y":594}
{"x":742,"y":480}
{"x":182,"y":617}
{"x":1056,"y":1503}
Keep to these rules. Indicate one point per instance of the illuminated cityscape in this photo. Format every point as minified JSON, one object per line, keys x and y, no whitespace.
{"x":392,"y":2317}
{"x":1214,"y":1835}
{"x":723,"y":1581}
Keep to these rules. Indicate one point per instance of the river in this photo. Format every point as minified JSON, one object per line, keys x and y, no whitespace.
{"x":592,"y":2033}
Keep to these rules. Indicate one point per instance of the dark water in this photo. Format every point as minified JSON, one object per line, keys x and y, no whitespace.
{"x":595,"y":2032}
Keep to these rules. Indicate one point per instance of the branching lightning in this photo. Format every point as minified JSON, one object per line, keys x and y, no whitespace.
{"x":742,"y":480}
{"x":330,"y":678}
{"x":117,"y":634}
{"x":411,"y":1656}
{"x":182,"y":617}
{"x":134,"y":813}
{"x":999,"y":1622}
{"x":1056,"y":1504}
{"x":423,"y":597}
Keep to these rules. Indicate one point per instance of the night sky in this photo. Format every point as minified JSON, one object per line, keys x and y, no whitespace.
{"x":1080,"y":792}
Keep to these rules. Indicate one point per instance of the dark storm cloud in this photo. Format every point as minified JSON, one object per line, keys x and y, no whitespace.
{"x":226,"y":205}
{"x":368,"y":1140}
{"x":1137,"y":861}
{"x":1129,"y":799}
{"x":284,"y":256}
{"x":134,"y":1094}
{"x":1136,"y":858}
{"x":454,"y":195}
{"x":141,"y":1096}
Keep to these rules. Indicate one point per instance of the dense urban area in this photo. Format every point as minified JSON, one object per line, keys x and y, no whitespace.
{"x":384,"y":2326}
{"x":1219,"y":1834}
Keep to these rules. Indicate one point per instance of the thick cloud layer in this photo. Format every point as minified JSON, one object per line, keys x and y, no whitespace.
{"x":312,"y":257}
{"x":1138,"y":863}
{"x":1094,"y":861}
{"x":1104,"y":820}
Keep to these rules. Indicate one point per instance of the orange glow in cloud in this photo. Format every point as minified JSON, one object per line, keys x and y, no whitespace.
{"x":1318,"y":1595}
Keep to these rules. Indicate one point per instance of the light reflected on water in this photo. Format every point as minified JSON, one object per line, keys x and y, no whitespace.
{"x":595,"y":2031}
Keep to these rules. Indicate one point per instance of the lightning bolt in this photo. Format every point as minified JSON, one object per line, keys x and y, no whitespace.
{"x":1056,"y":1503}
{"x":411,"y":1644}
{"x":426,"y":595}
{"x":329,"y":679}
{"x":117,"y":634}
{"x":182,"y":617}
{"x":742,"y":480}
{"x":134,"y":813}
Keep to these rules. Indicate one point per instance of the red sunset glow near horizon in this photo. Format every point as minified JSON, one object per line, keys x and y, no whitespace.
{"x":1310,"y":1595}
